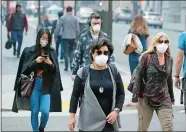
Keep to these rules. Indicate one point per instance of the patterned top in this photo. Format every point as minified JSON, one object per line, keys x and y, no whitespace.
{"x":158,"y":90}
{"x":82,"y":52}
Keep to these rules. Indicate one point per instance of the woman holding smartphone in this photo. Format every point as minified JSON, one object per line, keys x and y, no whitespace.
{"x":46,"y":90}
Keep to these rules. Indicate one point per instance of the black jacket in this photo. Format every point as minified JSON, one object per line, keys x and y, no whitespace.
{"x":27,"y":57}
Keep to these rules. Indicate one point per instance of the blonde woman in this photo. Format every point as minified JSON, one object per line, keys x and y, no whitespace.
{"x":155,"y":68}
{"x":140,"y":28}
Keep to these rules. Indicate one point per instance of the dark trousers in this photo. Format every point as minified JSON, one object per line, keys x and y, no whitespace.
{"x":69,"y":47}
{"x":183,"y":99}
{"x":17,"y":36}
{"x":107,"y":128}
{"x":59,"y":42}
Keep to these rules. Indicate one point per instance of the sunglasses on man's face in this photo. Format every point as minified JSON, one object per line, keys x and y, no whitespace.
{"x":100,"y":52}
{"x":165,"y":41}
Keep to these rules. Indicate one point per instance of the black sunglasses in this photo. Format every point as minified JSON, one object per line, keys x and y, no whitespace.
{"x":100,"y":52}
{"x":166,"y":41}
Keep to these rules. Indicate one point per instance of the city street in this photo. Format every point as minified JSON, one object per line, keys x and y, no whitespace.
{"x":59,"y":121}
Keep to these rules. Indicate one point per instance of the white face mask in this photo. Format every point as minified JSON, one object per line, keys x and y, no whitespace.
{"x":101,"y":60}
{"x":43,"y":42}
{"x":162,"y":48}
{"x":96,"y":28}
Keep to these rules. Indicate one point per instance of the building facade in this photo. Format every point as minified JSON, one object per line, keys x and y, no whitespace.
{"x":174,"y":12}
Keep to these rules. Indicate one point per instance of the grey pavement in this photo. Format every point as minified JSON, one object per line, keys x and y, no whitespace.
{"x":59,"y":121}
{"x":129,"y":122}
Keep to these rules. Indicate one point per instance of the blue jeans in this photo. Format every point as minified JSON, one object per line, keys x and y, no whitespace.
{"x":17,"y":36}
{"x":133,"y":61}
{"x":39,"y":102}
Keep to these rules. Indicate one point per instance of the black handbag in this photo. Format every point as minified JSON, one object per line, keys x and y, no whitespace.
{"x":9,"y":44}
{"x":26,"y":83}
{"x":133,"y":77}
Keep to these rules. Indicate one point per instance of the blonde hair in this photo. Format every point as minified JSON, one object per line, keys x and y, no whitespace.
{"x":155,"y":41}
{"x":139,"y":26}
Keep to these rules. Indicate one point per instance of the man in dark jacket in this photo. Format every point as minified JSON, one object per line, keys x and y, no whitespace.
{"x":16,"y":25}
{"x":81,"y":54}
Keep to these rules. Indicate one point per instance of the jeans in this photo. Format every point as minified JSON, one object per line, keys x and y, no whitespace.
{"x":17,"y":36}
{"x":133,"y":61}
{"x":58,"y":43}
{"x":69,"y":46}
{"x":39,"y":102}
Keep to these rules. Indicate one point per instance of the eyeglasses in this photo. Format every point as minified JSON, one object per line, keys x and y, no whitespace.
{"x":100,"y":52}
{"x":166,"y":41}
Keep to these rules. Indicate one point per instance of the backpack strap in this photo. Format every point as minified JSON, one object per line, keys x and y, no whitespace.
{"x":148,"y":60}
{"x":84,"y":76}
{"x":114,"y":71}
{"x":85,"y":72}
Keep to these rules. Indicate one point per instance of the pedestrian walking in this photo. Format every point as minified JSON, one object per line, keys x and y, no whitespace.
{"x":102,"y":94}
{"x":16,"y":25}
{"x":154,"y":85}
{"x":138,"y":27}
{"x":81,"y":55}
{"x":46,"y":90}
{"x":58,"y":38}
{"x":70,"y":32}
{"x":181,"y":55}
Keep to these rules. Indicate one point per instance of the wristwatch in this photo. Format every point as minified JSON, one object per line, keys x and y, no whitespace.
{"x":117,"y":110}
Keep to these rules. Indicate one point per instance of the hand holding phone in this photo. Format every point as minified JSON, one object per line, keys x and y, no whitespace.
{"x":47,"y":60}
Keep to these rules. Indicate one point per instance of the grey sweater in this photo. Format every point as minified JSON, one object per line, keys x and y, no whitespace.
{"x":68,"y":27}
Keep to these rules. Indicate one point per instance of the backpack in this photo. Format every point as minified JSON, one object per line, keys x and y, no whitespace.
{"x":132,"y":81}
{"x":85,"y":73}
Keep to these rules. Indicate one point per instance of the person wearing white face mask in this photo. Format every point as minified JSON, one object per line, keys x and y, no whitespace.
{"x":81,"y":54}
{"x":102,"y":92}
{"x":40,"y":61}
{"x":154,"y":85}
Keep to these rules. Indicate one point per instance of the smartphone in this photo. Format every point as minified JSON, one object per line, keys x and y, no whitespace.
{"x":45,"y":56}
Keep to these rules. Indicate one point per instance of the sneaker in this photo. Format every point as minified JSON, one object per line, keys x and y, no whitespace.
{"x":41,"y":130}
{"x":65,"y":69}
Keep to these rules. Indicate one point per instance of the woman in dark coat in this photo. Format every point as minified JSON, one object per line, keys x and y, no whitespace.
{"x":40,"y":59}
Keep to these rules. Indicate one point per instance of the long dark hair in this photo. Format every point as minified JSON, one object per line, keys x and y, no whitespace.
{"x":42,"y":31}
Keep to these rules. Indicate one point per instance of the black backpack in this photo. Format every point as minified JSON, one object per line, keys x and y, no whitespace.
{"x":85,"y":73}
{"x":132,"y":81}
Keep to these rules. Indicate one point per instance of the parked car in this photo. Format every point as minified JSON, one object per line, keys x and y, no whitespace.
{"x":83,"y":13}
{"x":153,"y":19}
{"x":122,"y":15}
{"x":52,"y":13}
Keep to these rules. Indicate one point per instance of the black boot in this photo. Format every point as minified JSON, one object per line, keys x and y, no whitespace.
{"x":41,"y":129}
{"x":18,"y":55}
{"x":14,"y":52}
